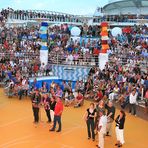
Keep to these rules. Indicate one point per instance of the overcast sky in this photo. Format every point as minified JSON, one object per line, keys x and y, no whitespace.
{"x":80,"y":7}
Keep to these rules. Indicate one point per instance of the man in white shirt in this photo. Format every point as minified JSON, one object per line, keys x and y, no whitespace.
{"x":133,"y":101}
{"x":22,"y":88}
{"x":102,"y":129}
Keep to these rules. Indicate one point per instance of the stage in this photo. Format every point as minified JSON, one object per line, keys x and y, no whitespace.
{"x":18,"y":131}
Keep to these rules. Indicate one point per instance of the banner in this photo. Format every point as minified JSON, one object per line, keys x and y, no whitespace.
{"x":44,"y":56}
{"x":103,"y":59}
{"x":44,"y":48}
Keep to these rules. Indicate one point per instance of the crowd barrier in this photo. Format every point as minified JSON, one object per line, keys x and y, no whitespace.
{"x":91,"y":60}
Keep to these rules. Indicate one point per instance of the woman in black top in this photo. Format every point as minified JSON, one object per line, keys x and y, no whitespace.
{"x":89,"y":118}
{"x":36,"y":99}
{"x":52,"y":107}
{"x":46,"y":103}
{"x":120,"y":120}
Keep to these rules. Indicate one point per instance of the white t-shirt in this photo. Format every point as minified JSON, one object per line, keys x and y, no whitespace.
{"x":70,"y":57}
{"x":23,"y":82}
{"x":133,"y":98}
{"x":84,"y":50}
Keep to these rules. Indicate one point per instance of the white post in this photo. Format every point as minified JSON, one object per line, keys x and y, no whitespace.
{"x":142,"y":93}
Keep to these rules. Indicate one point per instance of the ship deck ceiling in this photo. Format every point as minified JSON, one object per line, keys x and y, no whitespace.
{"x":127,"y":3}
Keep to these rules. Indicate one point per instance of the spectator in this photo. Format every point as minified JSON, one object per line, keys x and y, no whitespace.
{"x":133,"y":101}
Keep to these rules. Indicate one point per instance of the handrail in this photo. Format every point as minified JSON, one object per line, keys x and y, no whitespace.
{"x":81,"y":61}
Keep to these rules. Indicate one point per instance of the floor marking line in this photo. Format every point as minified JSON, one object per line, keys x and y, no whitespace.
{"x":15,"y":121}
{"x":15,"y":140}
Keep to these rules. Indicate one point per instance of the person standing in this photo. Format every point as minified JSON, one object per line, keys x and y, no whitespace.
{"x":120,"y":120}
{"x":146,"y":101}
{"x":52,"y":108}
{"x":36,"y":99}
{"x":133,"y":101}
{"x":99,"y":108}
{"x":46,"y":102}
{"x":102,"y":129}
{"x":22,"y":88}
{"x":110,"y":117}
{"x":89,"y":118}
{"x":57,"y":115}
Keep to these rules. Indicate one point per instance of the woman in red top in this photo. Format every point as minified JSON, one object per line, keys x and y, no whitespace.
{"x":79,"y":100}
{"x":35,"y":68}
{"x":99,"y":95}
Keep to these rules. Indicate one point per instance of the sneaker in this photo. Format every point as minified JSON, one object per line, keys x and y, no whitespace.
{"x":107,"y":134}
{"x":119,"y":145}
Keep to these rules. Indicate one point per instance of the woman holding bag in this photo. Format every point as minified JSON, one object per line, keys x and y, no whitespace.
{"x":89,"y":118}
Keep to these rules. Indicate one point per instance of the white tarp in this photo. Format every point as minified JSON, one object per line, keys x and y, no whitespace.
{"x":44,"y":56}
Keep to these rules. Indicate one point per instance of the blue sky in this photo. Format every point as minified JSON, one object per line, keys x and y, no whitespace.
{"x":78,"y":7}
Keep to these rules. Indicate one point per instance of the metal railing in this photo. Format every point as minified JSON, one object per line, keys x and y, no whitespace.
{"x":82,"y":60}
{"x":41,"y":14}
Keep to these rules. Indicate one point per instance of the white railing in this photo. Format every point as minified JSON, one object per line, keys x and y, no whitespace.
{"x":90,"y":61}
{"x":46,"y":15}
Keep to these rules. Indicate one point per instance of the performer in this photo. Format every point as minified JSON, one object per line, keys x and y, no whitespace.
{"x":102,"y":128}
{"x":57,"y":115}
{"x":89,"y":118}
{"x":36,"y":99}
{"x":46,"y":102}
{"x":110,"y":117}
{"x":133,"y":101}
{"x":52,"y":108}
{"x":120,"y":120}
{"x":99,"y":108}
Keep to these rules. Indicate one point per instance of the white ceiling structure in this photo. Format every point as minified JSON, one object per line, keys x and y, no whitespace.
{"x":126,"y":7}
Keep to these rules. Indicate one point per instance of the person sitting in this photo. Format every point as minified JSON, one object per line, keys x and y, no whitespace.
{"x":79,"y":100}
{"x":114,"y":94}
{"x":11,"y":90}
{"x":69,"y":99}
{"x":99,"y":95}
{"x":43,"y":89}
{"x":89,"y":90}
{"x":59,"y":92}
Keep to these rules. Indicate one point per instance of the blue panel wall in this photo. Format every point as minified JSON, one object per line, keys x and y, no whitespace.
{"x":71,"y":73}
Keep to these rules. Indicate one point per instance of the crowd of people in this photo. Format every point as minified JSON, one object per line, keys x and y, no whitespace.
{"x":60,"y":17}
{"x":119,"y":18}
{"x":20,"y":48}
{"x":30,"y":14}
{"x":123,"y":80}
